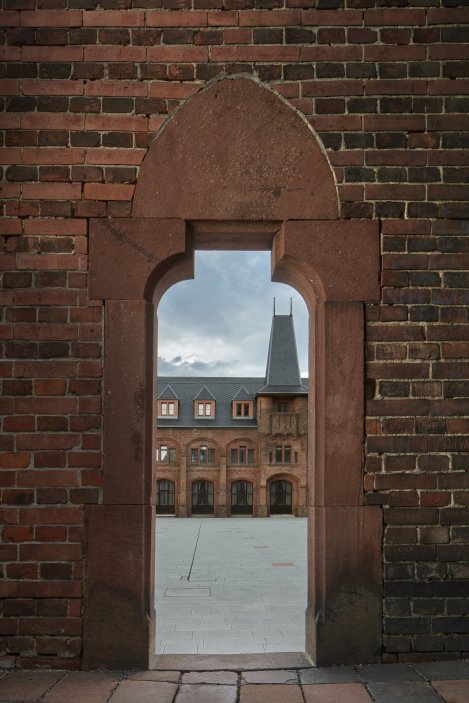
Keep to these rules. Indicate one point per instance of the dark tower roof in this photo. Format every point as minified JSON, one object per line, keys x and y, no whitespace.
{"x":282,"y":374}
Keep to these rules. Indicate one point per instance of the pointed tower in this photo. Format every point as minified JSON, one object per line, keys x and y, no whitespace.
{"x":282,"y":375}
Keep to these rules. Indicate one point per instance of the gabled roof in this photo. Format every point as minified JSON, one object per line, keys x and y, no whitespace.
{"x":282,"y":373}
{"x":242,"y":394}
{"x":168,"y":394}
{"x":204,"y":394}
{"x":222,"y":389}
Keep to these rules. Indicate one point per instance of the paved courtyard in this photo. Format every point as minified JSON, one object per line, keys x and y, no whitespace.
{"x":430,"y":682}
{"x":234,"y":585}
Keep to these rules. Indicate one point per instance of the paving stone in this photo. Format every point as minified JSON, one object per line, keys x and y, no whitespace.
{"x":205,"y":693}
{"x":144,"y":692}
{"x":438,"y":671}
{"x":388,"y":672}
{"x":229,"y":678}
{"x":245,"y":593}
{"x":27,"y":686}
{"x":83,"y":687}
{"x":330,"y":674}
{"x":270,"y":693}
{"x":403,"y":692}
{"x":288,"y":676}
{"x":336,"y":693}
{"x":453,"y":691}
{"x":171,"y":676}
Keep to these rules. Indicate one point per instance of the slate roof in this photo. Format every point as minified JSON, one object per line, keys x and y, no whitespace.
{"x":282,"y":378}
{"x":222,"y":389}
{"x":282,"y":374}
{"x":168,"y":393}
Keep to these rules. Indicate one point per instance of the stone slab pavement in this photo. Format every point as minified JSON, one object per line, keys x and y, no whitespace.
{"x":430,"y":682}
{"x":230,"y":585}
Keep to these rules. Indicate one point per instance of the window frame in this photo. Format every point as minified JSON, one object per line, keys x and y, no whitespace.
{"x":244,"y":405}
{"x":201,"y":407}
{"x":165,"y":405}
{"x":171,"y":451}
{"x":249,"y":453}
{"x":209,"y":454}
{"x":278,"y":454}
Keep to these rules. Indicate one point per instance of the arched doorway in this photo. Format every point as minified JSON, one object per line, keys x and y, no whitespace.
{"x":241,"y":498}
{"x":202,"y":498}
{"x":280,"y":498}
{"x":165,"y":497}
{"x":216,"y":146}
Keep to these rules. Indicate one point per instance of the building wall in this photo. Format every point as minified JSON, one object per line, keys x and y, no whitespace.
{"x":222,"y":473}
{"x":86,"y":86}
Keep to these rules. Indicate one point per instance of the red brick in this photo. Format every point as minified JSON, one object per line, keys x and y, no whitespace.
{"x":453,"y":15}
{"x":398,"y":17}
{"x":36,"y":478}
{"x":14,"y":460}
{"x":114,"y":53}
{"x":114,"y":18}
{"x":341,"y":18}
{"x":17,"y":533}
{"x":51,"y":18}
{"x":51,"y":516}
{"x":52,"y":87}
{"x":165,"y":53}
{"x":116,"y":88}
{"x":9,"y":19}
{"x":168,"y":89}
{"x":108,"y":191}
{"x":52,"y":53}
{"x":116,"y":123}
{"x":55,"y":227}
{"x":268,"y":18}
{"x":193,"y":18}
{"x":53,"y":155}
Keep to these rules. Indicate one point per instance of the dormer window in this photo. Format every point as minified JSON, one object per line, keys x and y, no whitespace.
{"x":168,"y":408}
{"x":204,"y":409}
{"x":243,"y":409}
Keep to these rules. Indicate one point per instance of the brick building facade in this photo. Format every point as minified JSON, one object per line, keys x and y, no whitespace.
{"x":86,"y":86}
{"x":235,"y":446}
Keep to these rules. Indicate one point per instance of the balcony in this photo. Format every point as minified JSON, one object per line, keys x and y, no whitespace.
{"x":284,"y":423}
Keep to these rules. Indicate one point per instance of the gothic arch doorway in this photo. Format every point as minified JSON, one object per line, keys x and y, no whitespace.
{"x":221,"y":178}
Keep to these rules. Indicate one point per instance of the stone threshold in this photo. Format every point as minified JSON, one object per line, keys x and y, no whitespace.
{"x":233,"y":662}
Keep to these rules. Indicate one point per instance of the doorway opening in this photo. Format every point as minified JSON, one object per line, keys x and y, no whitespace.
{"x":211,"y":194}
{"x":232,"y":367}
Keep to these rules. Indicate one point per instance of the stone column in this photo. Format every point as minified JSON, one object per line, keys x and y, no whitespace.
{"x":119,"y":622}
{"x":222,"y":488}
{"x":182,"y":512}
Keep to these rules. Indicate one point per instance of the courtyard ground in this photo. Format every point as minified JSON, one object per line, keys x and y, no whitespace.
{"x":435,"y":682}
{"x":233,"y":585}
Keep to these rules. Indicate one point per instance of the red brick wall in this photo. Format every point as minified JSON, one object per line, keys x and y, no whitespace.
{"x":85,"y":89}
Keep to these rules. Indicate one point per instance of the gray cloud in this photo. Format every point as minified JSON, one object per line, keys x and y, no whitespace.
{"x":219,"y":323}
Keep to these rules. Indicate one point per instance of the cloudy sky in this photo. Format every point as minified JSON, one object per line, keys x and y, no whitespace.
{"x":219,"y":323}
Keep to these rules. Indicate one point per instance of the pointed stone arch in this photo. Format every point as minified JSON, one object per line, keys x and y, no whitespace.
{"x":236,"y":151}
{"x":235,"y":168}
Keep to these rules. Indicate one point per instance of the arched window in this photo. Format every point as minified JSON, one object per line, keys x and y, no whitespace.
{"x":202,"y":453}
{"x":241,"y":453}
{"x":165,"y":497}
{"x":202,"y":497}
{"x":241,"y":498}
{"x":166,"y":453}
{"x":280,"y":493}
